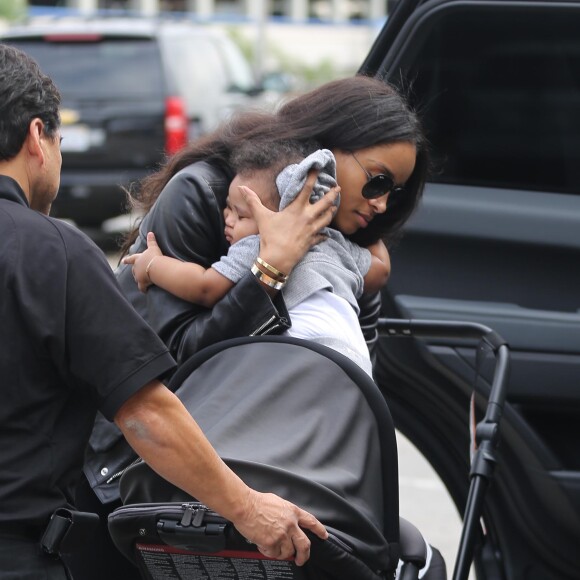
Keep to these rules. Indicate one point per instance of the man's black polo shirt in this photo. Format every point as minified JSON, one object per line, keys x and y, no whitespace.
{"x":70,"y":344}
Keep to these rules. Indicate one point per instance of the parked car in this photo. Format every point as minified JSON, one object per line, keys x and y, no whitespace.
{"x":496,"y":241}
{"x":133,"y":91}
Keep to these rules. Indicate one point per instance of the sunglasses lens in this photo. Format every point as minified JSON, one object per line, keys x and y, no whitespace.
{"x":377,"y":186}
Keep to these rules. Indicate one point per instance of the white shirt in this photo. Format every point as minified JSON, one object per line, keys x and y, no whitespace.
{"x":330,"y":320}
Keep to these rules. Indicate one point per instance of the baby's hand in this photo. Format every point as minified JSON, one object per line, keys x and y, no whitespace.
{"x":141,"y":262}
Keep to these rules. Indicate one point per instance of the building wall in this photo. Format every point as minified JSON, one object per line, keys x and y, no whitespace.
{"x":294,"y":10}
{"x":274,"y":42}
{"x":340,"y":46}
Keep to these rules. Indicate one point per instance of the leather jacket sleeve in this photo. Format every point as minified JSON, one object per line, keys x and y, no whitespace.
{"x":370,"y":310}
{"x":187,"y":220}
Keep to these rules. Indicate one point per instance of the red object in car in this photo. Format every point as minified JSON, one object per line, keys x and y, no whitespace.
{"x":175,"y":125}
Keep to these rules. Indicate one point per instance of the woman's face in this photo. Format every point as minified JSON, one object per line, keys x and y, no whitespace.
{"x":396,"y":160}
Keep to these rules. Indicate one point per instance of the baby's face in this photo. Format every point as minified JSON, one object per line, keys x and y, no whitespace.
{"x":239,"y":222}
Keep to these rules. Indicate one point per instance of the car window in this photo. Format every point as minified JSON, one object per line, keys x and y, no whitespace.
{"x":239,"y":70}
{"x":106,"y":68}
{"x":501,"y":97}
{"x":197,"y":69}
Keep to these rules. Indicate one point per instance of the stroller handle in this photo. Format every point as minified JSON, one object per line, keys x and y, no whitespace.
{"x":439,"y":329}
{"x":417,"y":328}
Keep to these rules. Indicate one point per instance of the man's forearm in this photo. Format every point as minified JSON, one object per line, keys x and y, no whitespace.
{"x":164,"y":434}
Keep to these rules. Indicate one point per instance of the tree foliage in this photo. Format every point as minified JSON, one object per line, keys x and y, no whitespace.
{"x":12,"y":9}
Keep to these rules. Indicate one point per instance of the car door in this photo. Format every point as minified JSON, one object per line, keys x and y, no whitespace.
{"x":496,"y":240}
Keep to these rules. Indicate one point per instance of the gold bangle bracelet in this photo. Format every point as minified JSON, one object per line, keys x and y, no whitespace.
{"x":149,"y":267}
{"x":265,"y":279}
{"x":277,"y":274}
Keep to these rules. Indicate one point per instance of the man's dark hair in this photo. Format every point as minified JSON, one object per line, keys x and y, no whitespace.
{"x":25,"y":94}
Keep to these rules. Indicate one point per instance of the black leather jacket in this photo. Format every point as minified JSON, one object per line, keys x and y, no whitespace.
{"x":187,"y":220}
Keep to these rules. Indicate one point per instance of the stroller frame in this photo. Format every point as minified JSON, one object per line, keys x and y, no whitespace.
{"x":487,"y":430}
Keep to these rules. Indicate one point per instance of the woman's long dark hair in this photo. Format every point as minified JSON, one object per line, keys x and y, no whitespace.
{"x":347,"y":114}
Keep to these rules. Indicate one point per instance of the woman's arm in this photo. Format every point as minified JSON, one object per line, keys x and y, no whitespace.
{"x":370,"y":301}
{"x":380,"y":268}
{"x":370,"y":312}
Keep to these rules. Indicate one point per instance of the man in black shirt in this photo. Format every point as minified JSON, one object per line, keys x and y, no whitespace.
{"x":71,"y":345}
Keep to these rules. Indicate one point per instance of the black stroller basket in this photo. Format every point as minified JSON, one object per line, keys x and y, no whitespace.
{"x":289,"y":417}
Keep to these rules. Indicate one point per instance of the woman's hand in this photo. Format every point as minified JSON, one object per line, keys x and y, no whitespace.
{"x":287,"y":235}
{"x":142,"y":261}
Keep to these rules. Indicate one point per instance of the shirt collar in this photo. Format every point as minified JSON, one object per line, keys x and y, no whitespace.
{"x":10,"y":190}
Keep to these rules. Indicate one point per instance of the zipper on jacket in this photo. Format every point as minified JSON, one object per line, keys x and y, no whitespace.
{"x":119,"y":473}
{"x":268,"y":327}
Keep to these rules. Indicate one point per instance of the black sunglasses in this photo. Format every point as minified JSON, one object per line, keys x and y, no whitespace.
{"x":378,"y":185}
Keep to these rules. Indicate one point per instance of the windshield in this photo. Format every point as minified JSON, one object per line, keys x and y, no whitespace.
{"x":122,"y":68}
{"x":238,"y":67}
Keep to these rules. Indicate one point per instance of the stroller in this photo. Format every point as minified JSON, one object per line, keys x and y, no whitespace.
{"x":300,"y":420}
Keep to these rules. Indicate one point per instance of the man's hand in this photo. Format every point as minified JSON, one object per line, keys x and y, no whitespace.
{"x":273,"y":524}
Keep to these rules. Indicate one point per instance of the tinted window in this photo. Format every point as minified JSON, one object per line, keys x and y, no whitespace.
{"x":202,"y":63}
{"x":196,"y":65}
{"x":240,"y":73}
{"x":501,"y":97}
{"x":109,"y":68}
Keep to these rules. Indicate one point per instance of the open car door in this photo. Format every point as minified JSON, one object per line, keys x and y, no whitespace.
{"x":495,"y":241}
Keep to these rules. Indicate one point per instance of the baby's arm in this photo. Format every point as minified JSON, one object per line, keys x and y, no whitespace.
{"x":185,"y":280}
{"x":380,"y":268}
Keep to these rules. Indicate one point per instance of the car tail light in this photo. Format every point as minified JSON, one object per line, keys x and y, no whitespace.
{"x":175,"y":125}
{"x":66,"y":37}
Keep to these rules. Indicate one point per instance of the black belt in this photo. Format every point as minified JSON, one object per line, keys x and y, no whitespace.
{"x":67,"y":530}
{"x":24,"y":531}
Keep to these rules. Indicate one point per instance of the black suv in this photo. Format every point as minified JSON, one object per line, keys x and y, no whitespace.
{"x":133,"y":90}
{"x":497,"y":242}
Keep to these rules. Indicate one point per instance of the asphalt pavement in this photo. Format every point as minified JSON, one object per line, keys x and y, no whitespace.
{"x":424,"y":501}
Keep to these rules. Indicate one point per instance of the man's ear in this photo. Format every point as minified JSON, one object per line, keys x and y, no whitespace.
{"x":33,"y":139}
